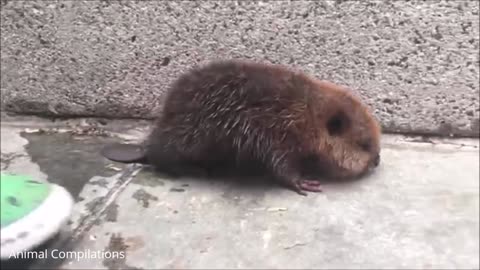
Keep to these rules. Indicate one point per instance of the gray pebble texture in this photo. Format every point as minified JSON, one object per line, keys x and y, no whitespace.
{"x":415,"y":63}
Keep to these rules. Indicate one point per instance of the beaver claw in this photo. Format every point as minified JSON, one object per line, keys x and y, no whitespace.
{"x":308,"y":185}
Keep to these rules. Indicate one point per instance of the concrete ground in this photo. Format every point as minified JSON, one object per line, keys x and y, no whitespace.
{"x":420,"y":209}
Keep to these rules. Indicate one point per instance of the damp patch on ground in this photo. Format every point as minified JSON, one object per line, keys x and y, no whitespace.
{"x":68,"y":160}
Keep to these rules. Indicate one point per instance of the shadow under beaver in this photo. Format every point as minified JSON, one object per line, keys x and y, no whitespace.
{"x":252,"y":177}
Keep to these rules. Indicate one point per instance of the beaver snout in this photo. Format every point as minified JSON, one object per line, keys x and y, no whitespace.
{"x":376,"y":160}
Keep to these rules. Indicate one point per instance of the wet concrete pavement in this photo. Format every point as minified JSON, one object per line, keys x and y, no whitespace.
{"x":59,"y":152}
{"x":420,"y":209}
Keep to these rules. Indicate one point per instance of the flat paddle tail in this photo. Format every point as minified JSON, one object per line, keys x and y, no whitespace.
{"x":125,"y":153}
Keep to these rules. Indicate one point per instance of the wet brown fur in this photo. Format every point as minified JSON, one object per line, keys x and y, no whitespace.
{"x":241,"y":112}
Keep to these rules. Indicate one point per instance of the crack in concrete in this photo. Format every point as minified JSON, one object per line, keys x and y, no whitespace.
{"x":102,"y":204}
{"x":7,"y":158}
{"x":295,"y":245}
{"x":96,"y":211}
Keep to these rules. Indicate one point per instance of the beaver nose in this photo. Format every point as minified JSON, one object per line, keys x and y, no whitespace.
{"x":376,"y":160}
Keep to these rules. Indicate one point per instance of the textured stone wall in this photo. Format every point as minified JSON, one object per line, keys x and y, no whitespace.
{"x":416,"y":63}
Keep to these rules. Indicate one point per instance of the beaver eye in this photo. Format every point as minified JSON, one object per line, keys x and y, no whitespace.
{"x":365,"y":145}
{"x":338,"y":124}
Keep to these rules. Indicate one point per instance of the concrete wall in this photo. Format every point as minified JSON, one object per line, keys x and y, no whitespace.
{"x":416,"y":63}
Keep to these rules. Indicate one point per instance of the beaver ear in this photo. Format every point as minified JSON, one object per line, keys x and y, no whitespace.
{"x":338,"y":123}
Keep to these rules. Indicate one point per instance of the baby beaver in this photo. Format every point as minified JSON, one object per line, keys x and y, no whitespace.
{"x":242,"y":112}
